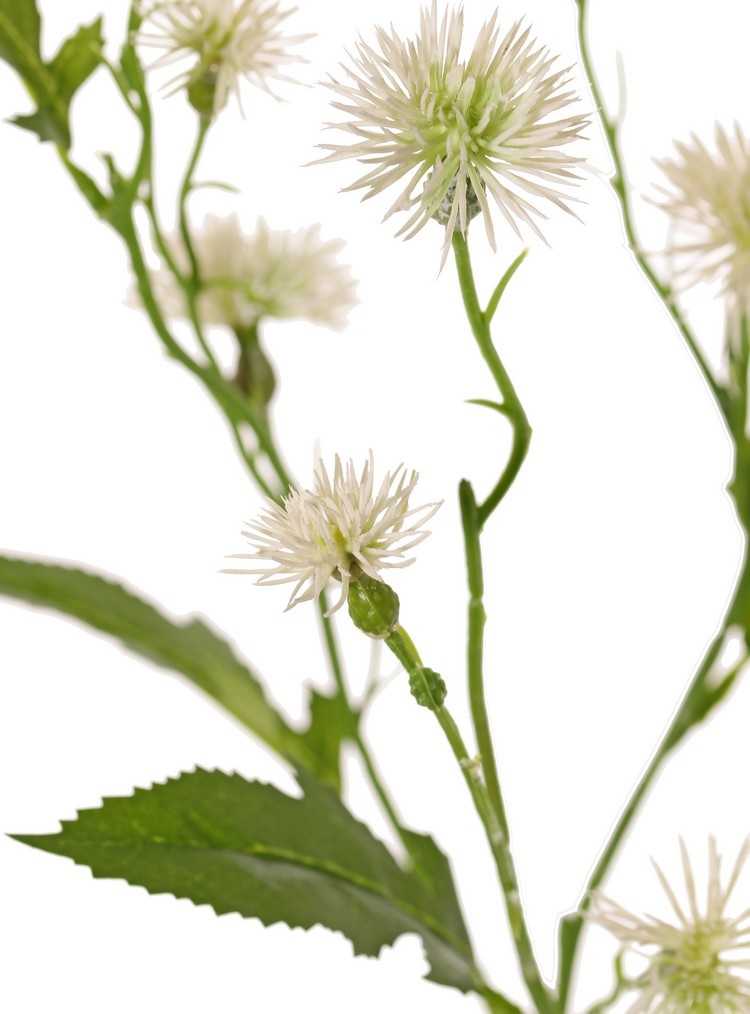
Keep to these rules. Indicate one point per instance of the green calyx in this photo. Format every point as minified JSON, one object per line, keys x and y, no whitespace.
{"x":201,"y":93}
{"x":255,"y":375}
{"x":373,"y":606}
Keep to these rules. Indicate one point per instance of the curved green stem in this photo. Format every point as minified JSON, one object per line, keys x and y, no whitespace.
{"x":471,"y":769}
{"x":620,"y":186}
{"x":701,"y":696}
{"x":511,"y":407}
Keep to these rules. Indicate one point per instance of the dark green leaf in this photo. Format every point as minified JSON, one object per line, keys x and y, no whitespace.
{"x":53,"y":85}
{"x":245,"y":847}
{"x":190,"y":648}
{"x":330,"y":724}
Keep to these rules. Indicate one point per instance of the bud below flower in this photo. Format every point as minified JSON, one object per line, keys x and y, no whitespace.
{"x":254,"y":376}
{"x":427,"y":687}
{"x":445,"y":208}
{"x":373,"y":606}
{"x":201,"y":93}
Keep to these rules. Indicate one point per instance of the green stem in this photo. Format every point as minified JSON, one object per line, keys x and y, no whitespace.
{"x":621,"y":188}
{"x":511,"y":407}
{"x":477,"y":620}
{"x":337,"y":669}
{"x":700,"y":697}
{"x":185,"y":189}
{"x":402,"y":647}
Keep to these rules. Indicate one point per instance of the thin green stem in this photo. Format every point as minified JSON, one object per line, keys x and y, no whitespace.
{"x":355,"y":734}
{"x":701,"y":695}
{"x":477,"y":619}
{"x":402,"y":647}
{"x":473,"y":518}
{"x":185,"y":188}
{"x":511,"y":406}
{"x":619,"y":184}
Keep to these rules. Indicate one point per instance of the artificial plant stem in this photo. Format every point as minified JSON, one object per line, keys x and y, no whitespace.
{"x":477,"y":618}
{"x":403,"y":648}
{"x":701,"y":695}
{"x":620,"y":186}
{"x":337,"y":670}
{"x":511,"y":405}
{"x":185,"y":188}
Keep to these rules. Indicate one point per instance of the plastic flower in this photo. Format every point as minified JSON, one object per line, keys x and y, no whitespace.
{"x":450,"y":131}
{"x":246,"y":277}
{"x":341,"y":528}
{"x":699,"y":964}
{"x":223,"y":41}
{"x":708,"y":201}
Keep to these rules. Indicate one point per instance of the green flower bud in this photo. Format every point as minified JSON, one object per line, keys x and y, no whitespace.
{"x":255,"y":376}
{"x":373,"y":606}
{"x":427,"y":687}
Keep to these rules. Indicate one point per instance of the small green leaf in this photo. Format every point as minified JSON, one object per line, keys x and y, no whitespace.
{"x":245,"y":847}
{"x":52,"y":85}
{"x":190,"y":648}
{"x":330,"y":724}
{"x":77,"y":59}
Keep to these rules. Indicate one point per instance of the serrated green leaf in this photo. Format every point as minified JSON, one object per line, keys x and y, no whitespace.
{"x":53,"y":85}
{"x":246,"y":847}
{"x":190,"y":647}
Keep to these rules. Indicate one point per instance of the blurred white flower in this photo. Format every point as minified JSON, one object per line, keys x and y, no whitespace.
{"x":707,"y":198}
{"x":265,"y":274}
{"x":451,"y":130}
{"x":700,"y":964}
{"x":340,"y":528}
{"x":223,"y":40}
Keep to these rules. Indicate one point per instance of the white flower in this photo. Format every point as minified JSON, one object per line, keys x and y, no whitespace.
{"x":224,"y":40}
{"x":265,"y":274}
{"x":455,"y":130}
{"x":340,"y":529}
{"x":708,"y":202}
{"x":699,"y":964}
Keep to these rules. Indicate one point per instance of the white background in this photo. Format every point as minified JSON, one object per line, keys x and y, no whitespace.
{"x":608,"y":565}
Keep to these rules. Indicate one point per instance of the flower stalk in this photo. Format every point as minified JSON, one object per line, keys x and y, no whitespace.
{"x":471,"y":768}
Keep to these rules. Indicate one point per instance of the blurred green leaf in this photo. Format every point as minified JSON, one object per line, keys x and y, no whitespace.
{"x":246,"y":847}
{"x":52,"y":85}
{"x":190,"y":648}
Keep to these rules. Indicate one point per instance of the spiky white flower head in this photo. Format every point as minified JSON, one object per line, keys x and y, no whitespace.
{"x":340,"y":528}
{"x":452,"y":130}
{"x":222,"y":40}
{"x":698,"y":964}
{"x":707,"y":198}
{"x":244,"y":277}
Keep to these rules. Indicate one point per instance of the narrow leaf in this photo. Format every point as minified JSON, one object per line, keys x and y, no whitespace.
{"x":190,"y":647}
{"x":245,"y":847}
